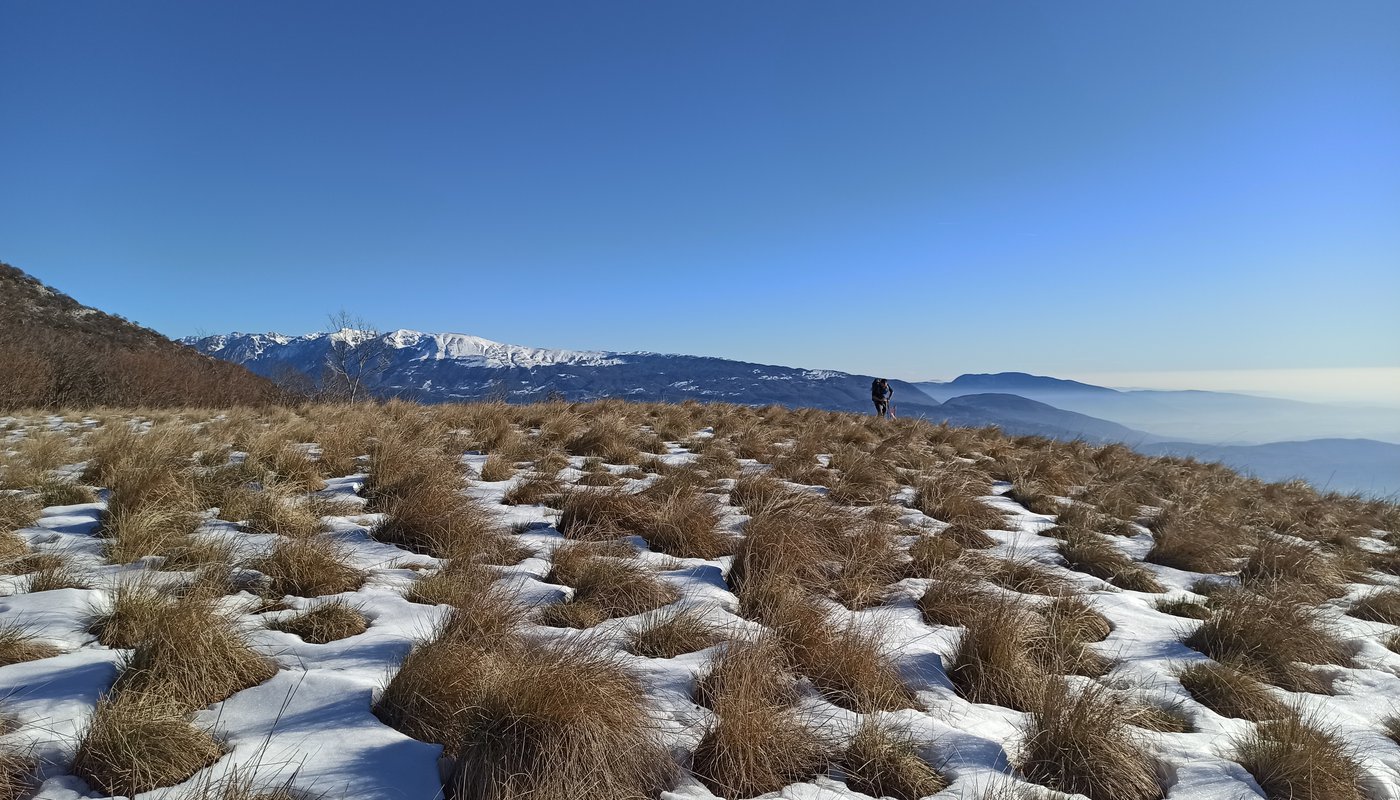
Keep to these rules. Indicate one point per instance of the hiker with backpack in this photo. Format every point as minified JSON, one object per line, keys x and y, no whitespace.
{"x":881,"y":392}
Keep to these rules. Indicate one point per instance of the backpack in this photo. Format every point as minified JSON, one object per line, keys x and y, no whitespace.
{"x":878,"y":388}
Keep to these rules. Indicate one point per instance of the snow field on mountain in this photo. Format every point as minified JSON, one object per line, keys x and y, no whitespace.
{"x":312,"y":725}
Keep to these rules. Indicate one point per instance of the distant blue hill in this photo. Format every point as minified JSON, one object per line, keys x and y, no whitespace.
{"x":1196,"y":416}
{"x":1345,"y":465}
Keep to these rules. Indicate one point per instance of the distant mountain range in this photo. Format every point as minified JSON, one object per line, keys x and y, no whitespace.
{"x":450,"y":367}
{"x":1216,"y":417}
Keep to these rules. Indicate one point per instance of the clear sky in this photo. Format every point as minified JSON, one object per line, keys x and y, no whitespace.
{"x":915,"y":189}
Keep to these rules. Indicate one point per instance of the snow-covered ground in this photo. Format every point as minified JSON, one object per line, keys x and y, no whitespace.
{"x":312,"y":722}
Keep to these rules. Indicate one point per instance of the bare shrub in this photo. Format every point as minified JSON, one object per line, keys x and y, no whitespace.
{"x":18,"y":644}
{"x":667,"y":636}
{"x":1271,"y":636}
{"x":1090,"y":553}
{"x":884,"y":762}
{"x":1078,"y":742}
{"x":1300,"y":759}
{"x":326,"y":622}
{"x":138,"y":742}
{"x":1230,"y":692}
{"x":562,"y":720}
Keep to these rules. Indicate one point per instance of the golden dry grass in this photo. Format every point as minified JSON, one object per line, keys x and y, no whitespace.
{"x":668,"y":635}
{"x":325,"y":622}
{"x":883,"y":761}
{"x":18,"y":644}
{"x":309,"y":568}
{"x":1230,"y":692}
{"x":1078,"y":742}
{"x":136,"y":742}
{"x":1273,"y":636}
{"x":1295,"y":758}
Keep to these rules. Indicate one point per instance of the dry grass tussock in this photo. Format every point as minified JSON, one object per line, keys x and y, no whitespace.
{"x":1273,"y":636}
{"x":758,"y":742}
{"x":1231,"y":692}
{"x":1301,"y":568}
{"x":930,"y":553}
{"x":1296,"y":758}
{"x":18,"y":511}
{"x":274,"y":459}
{"x":325,"y":622}
{"x":141,"y":741}
{"x":1078,"y":742}
{"x":192,"y":655}
{"x":686,"y":630}
{"x":672,"y":517}
{"x":18,"y":644}
{"x":885,"y":762}
{"x":604,"y":588}
{"x":1379,"y":606}
{"x":58,"y":573}
{"x":275,"y":508}
{"x":1019,"y":574}
{"x":431,"y":515}
{"x":951,"y":495}
{"x":496,"y":468}
{"x":1195,"y":540}
{"x":309,"y":568}
{"x":17,"y":766}
{"x":534,"y":490}
{"x":862,"y":478}
{"x":1189,"y":609}
{"x":955,"y":596}
{"x":564,"y":721}
{"x":1093,"y":554}
{"x":847,"y":662}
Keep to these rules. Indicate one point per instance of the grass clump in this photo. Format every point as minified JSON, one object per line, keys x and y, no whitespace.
{"x":273,"y":509}
{"x":535,"y":490}
{"x":1378,"y":606}
{"x":194,"y":655}
{"x":309,"y":568}
{"x":564,"y":720}
{"x":18,"y":644}
{"x":61,"y":574}
{"x":1189,"y":609}
{"x":326,"y":622}
{"x":18,"y":511}
{"x":667,"y":636}
{"x":1293,"y":758}
{"x":604,"y":588}
{"x":135,"y":610}
{"x":137,"y":742}
{"x":1302,"y":568}
{"x":1078,"y":742}
{"x":1230,"y":692}
{"x":496,"y":468}
{"x":1272,"y":636}
{"x":952,"y":496}
{"x":884,"y":762}
{"x":757,"y":743}
{"x":1093,"y":554}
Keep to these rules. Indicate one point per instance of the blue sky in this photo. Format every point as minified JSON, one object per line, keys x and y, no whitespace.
{"x":915,"y":189}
